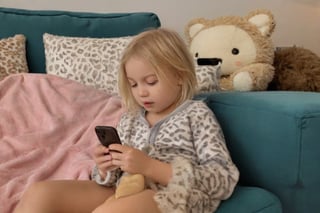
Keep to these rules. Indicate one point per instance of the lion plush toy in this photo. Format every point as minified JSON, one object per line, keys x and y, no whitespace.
{"x":242,"y":44}
{"x":296,"y":69}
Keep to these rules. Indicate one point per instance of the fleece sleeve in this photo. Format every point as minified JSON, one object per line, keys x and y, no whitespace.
{"x":215,"y":174}
{"x":200,"y":185}
{"x":110,"y":179}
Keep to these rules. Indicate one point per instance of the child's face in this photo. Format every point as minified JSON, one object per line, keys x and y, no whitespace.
{"x":155,"y":95}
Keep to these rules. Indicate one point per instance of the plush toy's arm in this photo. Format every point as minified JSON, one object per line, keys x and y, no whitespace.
{"x":254,"y":77}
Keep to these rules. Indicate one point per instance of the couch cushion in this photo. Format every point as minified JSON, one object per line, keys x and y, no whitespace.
{"x":33,"y":24}
{"x":250,"y":200}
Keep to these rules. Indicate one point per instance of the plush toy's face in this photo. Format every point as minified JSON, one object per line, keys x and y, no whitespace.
{"x":239,"y":42}
{"x":229,"y":43}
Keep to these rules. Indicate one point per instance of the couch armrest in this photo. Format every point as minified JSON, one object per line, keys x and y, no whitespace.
{"x":274,"y":139}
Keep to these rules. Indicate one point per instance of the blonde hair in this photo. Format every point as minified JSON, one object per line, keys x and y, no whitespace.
{"x":165,"y":50}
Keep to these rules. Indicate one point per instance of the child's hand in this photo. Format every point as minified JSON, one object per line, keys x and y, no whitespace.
{"x":129,"y":159}
{"x":103,"y":159}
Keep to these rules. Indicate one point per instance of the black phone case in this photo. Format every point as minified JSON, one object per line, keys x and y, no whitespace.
{"x":107,"y":135}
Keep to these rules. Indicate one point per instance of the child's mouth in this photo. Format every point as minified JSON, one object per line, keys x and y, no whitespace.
{"x":147,"y":104}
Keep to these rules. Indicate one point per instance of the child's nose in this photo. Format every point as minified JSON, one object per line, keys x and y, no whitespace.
{"x":143,"y":91}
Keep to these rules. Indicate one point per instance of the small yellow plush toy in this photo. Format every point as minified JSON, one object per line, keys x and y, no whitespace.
{"x":243,"y":45}
{"x":129,"y":185}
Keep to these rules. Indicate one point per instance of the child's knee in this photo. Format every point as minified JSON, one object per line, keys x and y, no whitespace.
{"x":27,"y":200}
{"x":34,"y":196}
{"x":103,"y":207}
{"x":36,"y":191}
{"x":100,"y":209}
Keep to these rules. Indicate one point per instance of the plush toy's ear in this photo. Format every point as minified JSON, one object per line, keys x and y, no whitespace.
{"x":193,"y":27}
{"x":263,"y":20}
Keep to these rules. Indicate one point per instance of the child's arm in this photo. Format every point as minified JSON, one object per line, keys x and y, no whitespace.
{"x":159,"y":172}
{"x":109,"y":180}
{"x":215,"y":173}
{"x":104,"y":173}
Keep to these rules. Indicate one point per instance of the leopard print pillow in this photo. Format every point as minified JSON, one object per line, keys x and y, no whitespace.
{"x":13,"y":56}
{"x":91,"y":61}
{"x":208,"y":78}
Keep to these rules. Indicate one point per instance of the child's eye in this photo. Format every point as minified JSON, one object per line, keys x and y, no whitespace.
{"x":133,"y":85}
{"x":151,"y":83}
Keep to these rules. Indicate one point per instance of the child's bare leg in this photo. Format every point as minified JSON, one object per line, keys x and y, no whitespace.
{"x":142,"y":202}
{"x":63,"y":196}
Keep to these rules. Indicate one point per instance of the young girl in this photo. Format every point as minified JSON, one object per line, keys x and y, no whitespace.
{"x":175,"y":142}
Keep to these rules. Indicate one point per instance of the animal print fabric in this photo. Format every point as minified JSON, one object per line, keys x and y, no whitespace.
{"x":208,"y":78}
{"x":91,"y":61}
{"x":13,"y":56}
{"x":191,"y":139}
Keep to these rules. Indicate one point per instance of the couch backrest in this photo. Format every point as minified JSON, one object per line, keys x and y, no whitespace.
{"x":33,"y":23}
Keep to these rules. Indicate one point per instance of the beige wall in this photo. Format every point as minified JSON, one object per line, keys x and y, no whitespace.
{"x":297,"y":20}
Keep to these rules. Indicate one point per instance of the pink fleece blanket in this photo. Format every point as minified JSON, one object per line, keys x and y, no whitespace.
{"x":47,"y":131}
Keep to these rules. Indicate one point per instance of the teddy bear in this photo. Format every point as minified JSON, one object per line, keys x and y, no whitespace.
{"x":296,"y":69}
{"x":243,"y":45}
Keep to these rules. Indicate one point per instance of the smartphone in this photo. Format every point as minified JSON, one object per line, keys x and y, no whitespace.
{"x":107,"y":135}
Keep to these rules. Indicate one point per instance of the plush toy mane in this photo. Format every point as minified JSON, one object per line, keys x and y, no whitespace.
{"x":296,"y":69}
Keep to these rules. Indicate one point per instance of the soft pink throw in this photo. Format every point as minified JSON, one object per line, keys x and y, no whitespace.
{"x":47,"y":131}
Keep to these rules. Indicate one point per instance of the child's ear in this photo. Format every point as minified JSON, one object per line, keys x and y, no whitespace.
{"x":180,"y":80}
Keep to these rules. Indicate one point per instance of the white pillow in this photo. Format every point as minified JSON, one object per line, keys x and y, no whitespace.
{"x":91,"y":61}
{"x":208,"y":77}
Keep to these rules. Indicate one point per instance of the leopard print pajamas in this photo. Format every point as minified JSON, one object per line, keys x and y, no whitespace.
{"x":191,"y":139}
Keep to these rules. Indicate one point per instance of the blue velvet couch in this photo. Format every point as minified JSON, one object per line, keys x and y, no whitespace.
{"x":273,"y":136}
